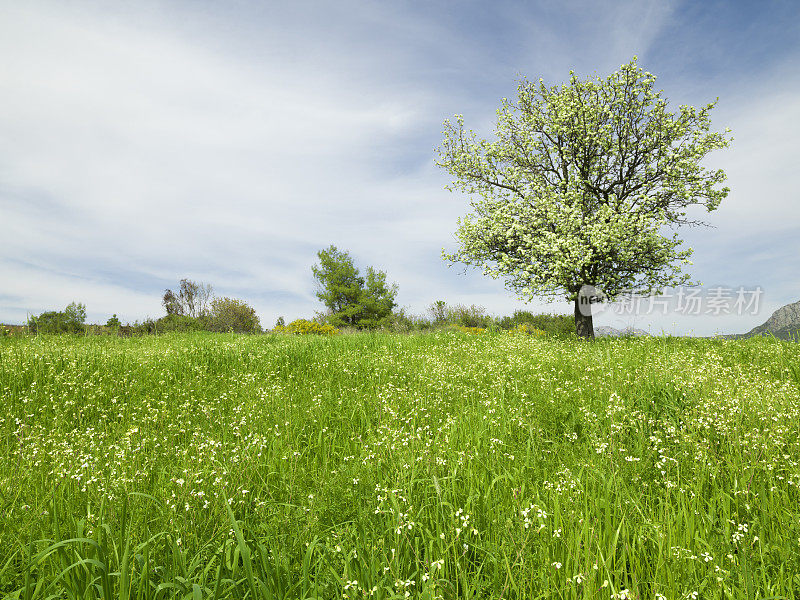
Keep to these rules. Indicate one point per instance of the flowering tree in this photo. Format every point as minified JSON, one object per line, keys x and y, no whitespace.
{"x":575,"y":191}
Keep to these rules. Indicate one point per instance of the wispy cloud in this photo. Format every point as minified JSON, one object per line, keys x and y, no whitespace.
{"x":147,"y":142}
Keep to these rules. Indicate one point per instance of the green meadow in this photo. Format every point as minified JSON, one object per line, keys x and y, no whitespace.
{"x":439,"y":465}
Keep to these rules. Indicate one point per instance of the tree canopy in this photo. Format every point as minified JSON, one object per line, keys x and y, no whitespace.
{"x":70,"y":320}
{"x":352,"y":300}
{"x":191,"y":300}
{"x":232,"y":314}
{"x":578,"y":186}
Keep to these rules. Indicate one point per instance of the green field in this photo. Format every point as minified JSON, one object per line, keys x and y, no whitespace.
{"x":443,"y":465}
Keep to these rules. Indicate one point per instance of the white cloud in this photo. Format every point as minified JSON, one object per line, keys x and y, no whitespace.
{"x":761,"y":160}
{"x":591,"y":38}
{"x":152,"y":150}
{"x":36,"y":290}
{"x":140,"y":144}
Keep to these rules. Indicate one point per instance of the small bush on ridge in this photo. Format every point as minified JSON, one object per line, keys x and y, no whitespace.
{"x":306,"y":327}
{"x":230,"y":314}
{"x":562,"y":326}
{"x":527,"y":329}
{"x":472,"y":330}
{"x":468,"y":316}
{"x":70,"y":320}
{"x":171,"y":322}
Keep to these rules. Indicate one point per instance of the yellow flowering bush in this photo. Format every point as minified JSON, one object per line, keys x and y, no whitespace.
{"x":527,"y":329}
{"x":473,"y":330}
{"x":306,"y":327}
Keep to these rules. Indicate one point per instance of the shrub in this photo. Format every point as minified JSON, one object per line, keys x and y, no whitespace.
{"x":438,"y":312}
{"x":13,"y":330}
{"x":441,"y":314}
{"x":230,"y":314}
{"x":527,"y":329}
{"x":401,"y":322}
{"x":305,"y":327}
{"x":180,"y":323}
{"x":70,"y":320}
{"x":113,"y":322}
{"x":561,"y":326}
{"x":468,"y":316}
{"x":148,"y":326}
{"x":166,"y":324}
{"x":49,"y":322}
{"x":472,"y":330}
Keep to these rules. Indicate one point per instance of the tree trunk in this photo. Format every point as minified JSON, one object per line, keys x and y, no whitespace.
{"x":583,"y":322}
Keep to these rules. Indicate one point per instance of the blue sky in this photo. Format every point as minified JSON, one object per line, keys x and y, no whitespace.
{"x":228,"y":142}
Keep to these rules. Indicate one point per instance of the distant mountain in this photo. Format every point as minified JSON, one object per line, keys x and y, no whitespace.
{"x":606,"y":331}
{"x":783,"y":324}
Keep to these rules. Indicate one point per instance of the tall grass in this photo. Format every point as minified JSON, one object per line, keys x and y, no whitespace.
{"x":443,"y":465}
